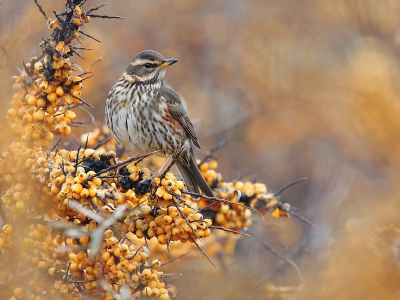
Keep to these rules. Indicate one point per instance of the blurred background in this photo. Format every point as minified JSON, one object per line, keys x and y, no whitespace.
{"x":302,"y":89}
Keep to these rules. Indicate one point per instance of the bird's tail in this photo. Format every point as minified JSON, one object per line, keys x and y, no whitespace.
{"x":193,"y":178}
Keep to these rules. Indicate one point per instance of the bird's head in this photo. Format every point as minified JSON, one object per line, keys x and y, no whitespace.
{"x":147,"y":67}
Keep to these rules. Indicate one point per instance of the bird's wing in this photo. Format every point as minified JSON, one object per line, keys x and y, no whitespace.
{"x":178,"y":111}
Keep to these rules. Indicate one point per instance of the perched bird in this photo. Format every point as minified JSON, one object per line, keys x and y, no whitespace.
{"x":145,"y":114}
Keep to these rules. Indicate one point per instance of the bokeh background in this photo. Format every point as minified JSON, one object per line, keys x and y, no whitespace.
{"x":302,"y":89}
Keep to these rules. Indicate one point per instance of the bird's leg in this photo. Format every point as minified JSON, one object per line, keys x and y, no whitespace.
{"x":168,"y":162}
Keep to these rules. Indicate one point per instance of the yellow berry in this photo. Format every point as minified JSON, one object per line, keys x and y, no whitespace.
{"x":167,"y":219}
{"x":88,"y":152}
{"x":20,"y":206}
{"x":70,"y":114}
{"x":7,"y":229}
{"x":77,"y":188}
{"x":164,"y":296}
{"x":147,"y":291}
{"x":213,"y":164}
{"x":52,"y":97}
{"x":117,"y":252}
{"x":48,"y":118}
{"x":41,"y":102}
{"x":59,"y":91}
{"x":155,"y":264}
{"x":146,"y":273}
{"x":41,"y":264}
{"x":167,"y":196}
{"x":48,"y":136}
{"x":18,"y":291}
{"x":180,"y":184}
{"x":32,"y":100}
{"x":145,"y":210}
{"x":39,"y":115}
{"x":51,"y":109}
{"x":105,"y":256}
{"x":51,"y":270}
{"x":155,"y":292}
{"x":162,"y":240}
{"x":143,"y":255}
{"x":204,"y":167}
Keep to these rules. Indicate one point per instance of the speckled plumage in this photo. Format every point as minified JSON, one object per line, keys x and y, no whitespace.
{"x":145,"y":114}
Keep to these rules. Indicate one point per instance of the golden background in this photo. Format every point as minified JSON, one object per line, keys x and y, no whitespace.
{"x":302,"y":88}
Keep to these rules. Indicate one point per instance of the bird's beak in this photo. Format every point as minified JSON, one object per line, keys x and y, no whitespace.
{"x":168,"y":62}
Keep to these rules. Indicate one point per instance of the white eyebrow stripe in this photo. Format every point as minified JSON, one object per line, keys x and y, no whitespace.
{"x":143,"y":61}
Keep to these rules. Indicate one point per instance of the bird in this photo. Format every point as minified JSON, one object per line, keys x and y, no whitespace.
{"x":145,"y":114}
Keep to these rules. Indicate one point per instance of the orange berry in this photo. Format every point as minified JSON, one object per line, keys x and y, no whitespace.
{"x":41,"y":264}
{"x":59,"y":91}
{"x":162,"y":240}
{"x":39,"y":115}
{"x":145,"y":210}
{"x":40,"y":102}
{"x":81,"y":255}
{"x":84,"y":193}
{"x":155,"y":264}
{"x":32,"y":100}
{"x":18,"y":291}
{"x":98,"y":272}
{"x":49,"y":136}
{"x":77,"y":188}
{"x":164,"y":296}
{"x":204,"y":167}
{"x":144,"y":255}
{"x":51,"y":270}
{"x":20,"y":206}
{"x":147,"y":291}
{"x":117,"y":252}
{"x":52,"y":97}
{"x":146,"y":273}
{"x":167,"y":220}
{"x":74,"y":267}
{"x":105,"y":256}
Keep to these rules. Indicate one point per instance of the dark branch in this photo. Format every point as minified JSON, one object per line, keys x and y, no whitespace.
{"x":41,"y":10}
{"x":88,"y":35}
{"x":289,"y":185}
{"x":105,"y":17}
{"x":96,"y":8}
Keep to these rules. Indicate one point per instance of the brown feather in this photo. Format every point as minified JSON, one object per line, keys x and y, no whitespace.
{"x":178,"y":111}
{"x":193,"y":178}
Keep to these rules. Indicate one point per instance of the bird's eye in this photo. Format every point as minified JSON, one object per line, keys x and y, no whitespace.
{"x":148,"y":65}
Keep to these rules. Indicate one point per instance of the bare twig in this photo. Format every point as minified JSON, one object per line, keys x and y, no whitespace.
{"x":223,"y":201}
{"x":289,"y":185}
{"x":41,"y":10}
{"x":102,"y":143}
{"x":173,"y":259}
{"x":96,"y":8}
{"x":229,"y":230}
{"x":125,"y":162}
{"x":89,"y":36}
{"x":301,"y":218}
{"x":80,"y":99}
{"x":205,"y":254}
{"x":104,"y":16}
{"x":213,"y":149}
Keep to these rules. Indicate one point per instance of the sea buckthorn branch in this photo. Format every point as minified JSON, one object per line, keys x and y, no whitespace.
{"x":44,"y":185}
